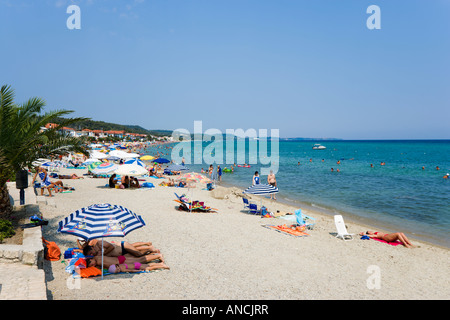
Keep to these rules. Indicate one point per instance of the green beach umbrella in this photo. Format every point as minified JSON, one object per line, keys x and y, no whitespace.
{"x":94,"y":165}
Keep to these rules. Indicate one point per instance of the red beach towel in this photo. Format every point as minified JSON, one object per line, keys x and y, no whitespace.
{"x":395,"y":243}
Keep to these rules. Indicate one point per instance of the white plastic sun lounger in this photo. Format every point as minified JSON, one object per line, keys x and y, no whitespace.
{"x":341,"y":229}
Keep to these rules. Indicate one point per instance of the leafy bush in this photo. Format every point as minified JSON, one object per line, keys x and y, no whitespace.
{"x":6,"y":229}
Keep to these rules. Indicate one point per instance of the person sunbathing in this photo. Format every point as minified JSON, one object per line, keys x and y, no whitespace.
{"x":67,"y":176}
{"x":136,"y":267}
{"x":390,"y":237}
{"x":109,"y":261}
{"x":137,"y":249}
{"x":181,"y":184}
{"x":156,"y":174}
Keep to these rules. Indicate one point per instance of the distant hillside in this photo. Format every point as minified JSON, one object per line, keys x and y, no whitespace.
{"x":106,"y":126}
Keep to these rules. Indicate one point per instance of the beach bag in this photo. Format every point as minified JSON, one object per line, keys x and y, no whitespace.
{"x":51,"y":250}
{"x":147,"y":185}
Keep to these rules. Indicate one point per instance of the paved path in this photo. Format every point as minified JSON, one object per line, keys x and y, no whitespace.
{"x":22,"y":282}
{"x":19,"y":281}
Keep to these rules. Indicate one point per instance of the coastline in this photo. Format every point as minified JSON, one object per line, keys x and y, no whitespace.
{"x":230,"y":255}
{"x":421,"y":220}
{"x":364,"y":222}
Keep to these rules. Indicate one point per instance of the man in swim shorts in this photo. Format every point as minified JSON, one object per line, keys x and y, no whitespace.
{"x":138,"y":249}
{"x":273,"y":182}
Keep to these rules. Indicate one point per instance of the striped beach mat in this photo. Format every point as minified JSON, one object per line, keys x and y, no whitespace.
{"x":293,"y":230}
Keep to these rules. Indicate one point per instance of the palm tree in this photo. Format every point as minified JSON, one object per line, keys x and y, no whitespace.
{"x":22,"y":140}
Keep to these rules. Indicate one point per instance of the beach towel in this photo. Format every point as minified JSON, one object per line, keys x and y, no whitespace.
{"x":96,"y":272}
{"x":292,"y":230}
{"x":395,"y":243}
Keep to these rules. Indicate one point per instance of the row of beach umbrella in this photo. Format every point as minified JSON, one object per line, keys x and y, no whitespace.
{"x":133,"y":167}
{"x":107,"y":220}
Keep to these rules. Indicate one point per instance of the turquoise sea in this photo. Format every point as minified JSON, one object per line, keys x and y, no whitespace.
{"x":406,"y":194}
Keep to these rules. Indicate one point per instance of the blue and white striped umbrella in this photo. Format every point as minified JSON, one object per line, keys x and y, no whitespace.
{"x":177,"y":167}
{"x":99,"y":221}
{"x":261,"y":189}
{"x":48,"y":164}
{"x":135,"y":161}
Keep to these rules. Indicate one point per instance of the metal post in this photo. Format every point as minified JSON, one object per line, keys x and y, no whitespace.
{"x":102,"y":258}
{"x":22,"y":197}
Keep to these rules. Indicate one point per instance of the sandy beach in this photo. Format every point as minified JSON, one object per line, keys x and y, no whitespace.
{"x":230,"y":255}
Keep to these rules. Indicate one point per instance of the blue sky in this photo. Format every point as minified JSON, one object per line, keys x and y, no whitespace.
{"x":307,"y":68}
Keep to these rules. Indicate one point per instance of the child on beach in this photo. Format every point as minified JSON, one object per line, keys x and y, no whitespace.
{"x":255,"y":179}
{"x":109,"y":261}
{"x":136,"y":267}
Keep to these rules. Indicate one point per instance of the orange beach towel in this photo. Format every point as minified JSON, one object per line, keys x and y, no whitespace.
{"x":294,"y":230}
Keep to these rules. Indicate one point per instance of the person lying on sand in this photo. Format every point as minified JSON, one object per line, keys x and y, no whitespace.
{"x":109,"y":261}
{"x":390,"y":237}
{"x":137,"y":249}
{"x":136,"y":267}
{"x":155,"y":174}
{"x":169,"y":183}
{"x":66,"y":176}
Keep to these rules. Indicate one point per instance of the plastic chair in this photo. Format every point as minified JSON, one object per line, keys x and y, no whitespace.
{"x":342,"y":229}
{"x":247,"y":203}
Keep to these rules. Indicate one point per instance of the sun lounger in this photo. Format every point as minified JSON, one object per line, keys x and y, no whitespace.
{"x":342,"y":229}
{"x":196,"y":206}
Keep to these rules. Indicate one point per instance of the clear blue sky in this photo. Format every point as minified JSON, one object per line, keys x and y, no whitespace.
{"x":309,"y":68}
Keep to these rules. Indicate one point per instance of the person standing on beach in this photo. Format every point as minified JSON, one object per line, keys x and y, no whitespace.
{"x":273,"y":182}
{"x":255,"y":179}
{"x":219,"y":173}
{"x":210,"y":170}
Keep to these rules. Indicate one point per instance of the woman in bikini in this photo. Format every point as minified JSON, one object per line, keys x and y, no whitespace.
{"x":136,"y":267}
{"x":390,"y":237}
{"x":109,"y":261}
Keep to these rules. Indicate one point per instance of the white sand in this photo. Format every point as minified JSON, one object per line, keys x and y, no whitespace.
{"x":229,"y":255}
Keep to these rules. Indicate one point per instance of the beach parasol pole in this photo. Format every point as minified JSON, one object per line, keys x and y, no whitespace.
{"x":102,"y":257}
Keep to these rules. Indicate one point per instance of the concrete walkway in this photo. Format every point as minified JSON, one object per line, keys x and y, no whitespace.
{"x":22,"y":282}
{"x":19,"y":281}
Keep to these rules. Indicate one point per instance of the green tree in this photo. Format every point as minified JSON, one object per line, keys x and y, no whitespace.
{"x":22,"y":140}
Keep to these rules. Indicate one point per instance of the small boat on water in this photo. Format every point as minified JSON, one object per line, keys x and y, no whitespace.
{"x":318,"y":147}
